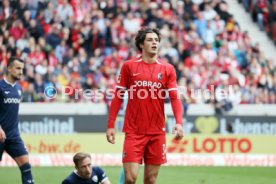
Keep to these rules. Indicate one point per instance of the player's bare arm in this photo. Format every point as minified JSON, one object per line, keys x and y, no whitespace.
{"x":2,"y":135}
{"x":106,"y":182}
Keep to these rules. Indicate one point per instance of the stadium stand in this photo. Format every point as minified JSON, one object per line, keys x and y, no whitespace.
{"x":263,"y":12}
{"x":81,"y":44}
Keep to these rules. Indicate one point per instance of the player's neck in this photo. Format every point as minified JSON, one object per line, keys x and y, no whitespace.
{"x":10,"y":80}
{"x":149,"y":58}
{"x":77,"y":173}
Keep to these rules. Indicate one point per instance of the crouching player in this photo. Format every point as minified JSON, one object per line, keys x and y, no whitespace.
{"x":85,"y":173}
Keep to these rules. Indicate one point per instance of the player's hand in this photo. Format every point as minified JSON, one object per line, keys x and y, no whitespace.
{"x":2,"y":135}
{"x":178,"y":131}
{"x":110,"y":135}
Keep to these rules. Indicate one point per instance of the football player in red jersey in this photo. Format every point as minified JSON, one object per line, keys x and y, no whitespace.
{"x":147,"y":80}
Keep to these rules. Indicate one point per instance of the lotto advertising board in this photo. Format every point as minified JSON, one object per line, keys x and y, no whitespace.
{"x":193,"y":149}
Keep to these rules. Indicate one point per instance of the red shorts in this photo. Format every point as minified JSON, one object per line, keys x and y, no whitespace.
{"x":150,"y":148}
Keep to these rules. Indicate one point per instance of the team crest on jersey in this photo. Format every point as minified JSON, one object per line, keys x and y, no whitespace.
{"x":19,"y":92}
{"x":159,"y":76}
{"x":95,"y":178}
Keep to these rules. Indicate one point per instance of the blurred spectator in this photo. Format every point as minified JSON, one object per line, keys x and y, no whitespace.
{"x":5,"y":10}
{"x":263,"y":12}
{"x":272,"y":21}
{"x":29,"y":94}
{"x":64,"y":12}
{"x":53,"y":38}
{"x":261,"y":8}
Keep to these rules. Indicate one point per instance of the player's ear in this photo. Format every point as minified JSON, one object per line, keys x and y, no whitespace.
{"x":8,"y":69}
{"x":141,"y":46}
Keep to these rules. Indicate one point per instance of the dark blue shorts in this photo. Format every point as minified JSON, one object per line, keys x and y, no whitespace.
{"x":15,"y":147}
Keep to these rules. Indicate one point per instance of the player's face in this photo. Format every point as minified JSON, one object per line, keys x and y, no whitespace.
{"x":151,"y":43}
{"x":85,"y":168}
{"x":16,"y":70}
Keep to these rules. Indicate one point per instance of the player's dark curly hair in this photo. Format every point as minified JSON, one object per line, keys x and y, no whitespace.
{"x":140,"y":37}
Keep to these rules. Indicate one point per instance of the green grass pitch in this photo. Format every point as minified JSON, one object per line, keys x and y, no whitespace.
{"x":167,"y":175}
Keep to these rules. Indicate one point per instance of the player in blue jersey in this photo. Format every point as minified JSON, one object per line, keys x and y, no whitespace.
{"x":10,"y":140}
{"x":85,"y":173}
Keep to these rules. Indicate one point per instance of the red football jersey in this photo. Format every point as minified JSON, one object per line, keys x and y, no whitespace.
{"x":146,"y":85}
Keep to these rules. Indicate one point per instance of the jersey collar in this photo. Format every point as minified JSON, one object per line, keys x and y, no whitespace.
{"x":12,"y":84}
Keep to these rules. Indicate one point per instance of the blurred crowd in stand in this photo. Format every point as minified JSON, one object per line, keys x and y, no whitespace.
{"x":77,"y":46}
{"x":263,"y":12}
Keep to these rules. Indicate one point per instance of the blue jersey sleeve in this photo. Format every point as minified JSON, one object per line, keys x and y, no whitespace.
{"x":66,"y":181}
{"x":100,"y":173}
{"x":69,"y":179}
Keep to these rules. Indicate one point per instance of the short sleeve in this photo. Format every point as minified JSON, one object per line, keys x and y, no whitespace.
{"x":122,"y":80}
{"x":101,"y":174}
